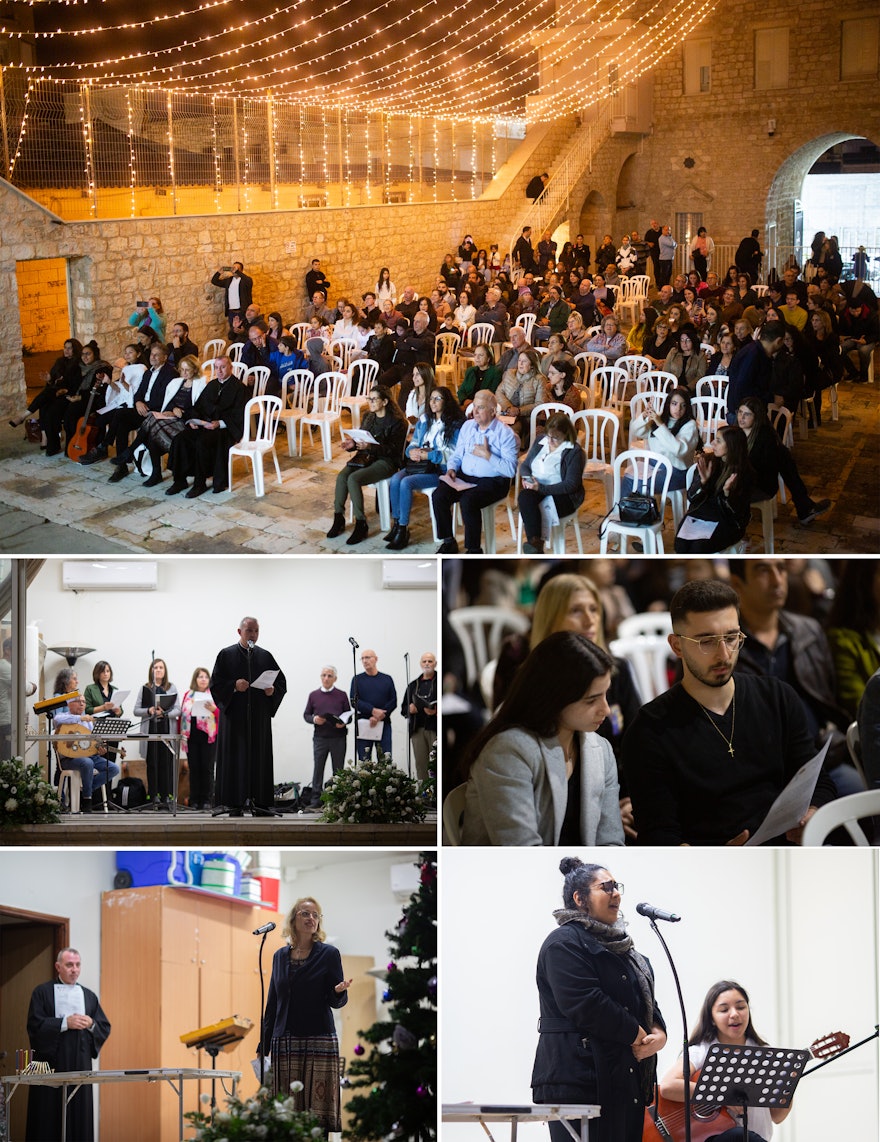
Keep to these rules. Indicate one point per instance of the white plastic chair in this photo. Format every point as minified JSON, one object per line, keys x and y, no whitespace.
{"x":446,"y":346}
{"x":382,"y":488}
{"x":331,"y":412}
{"x":212,"y":349}
{"x":713,"y":386}
{"x":545,"y":410}
{"x":637,"y":406}
{"x":296,"y":397}
{"x":609,"y":388}
{"x":453,"y":812}
{"x":846,"y":812}
{"x":587,"y":364}
{"x":645,"y":623}
{"x":234,"y":350}
{"x":482,"y":333}
{"x":300,"y":332}
{"x":634,"y":365}
{"x":710,"y":413}
{"x":629,"y":300}
{"x":557,"y":533}
{"x":601,"y":428}
{"x":258,"y":376}
{"x":481,"y":630}
{"x":650,"y":472}
{"x":648,"y":656}
{"x":361,"y":378}
{"x":240,"y":369}
{"x":343,"y":347}
{"x":655,"y":381}
{"x":854,"y":745}
{"x":258,"y":439}
{"x":526,"y":322}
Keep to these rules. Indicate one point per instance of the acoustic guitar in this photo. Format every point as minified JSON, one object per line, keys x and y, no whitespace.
{"x":81,"y":746}
{"x":86,"y":432}
{"x":664,"y":1121}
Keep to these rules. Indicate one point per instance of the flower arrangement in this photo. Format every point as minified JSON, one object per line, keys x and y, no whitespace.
{"x":370,"y":792}
{"x":26,"y":797}
{"x":260,"y":1116}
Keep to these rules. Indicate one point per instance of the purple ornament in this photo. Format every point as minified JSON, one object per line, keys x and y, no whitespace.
{"x":432,"y":987}
{"x":359,"y":1050}
{"x":421,"y":1091}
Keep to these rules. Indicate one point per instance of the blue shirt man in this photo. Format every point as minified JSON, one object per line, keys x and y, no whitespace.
{"x":376,"y":700}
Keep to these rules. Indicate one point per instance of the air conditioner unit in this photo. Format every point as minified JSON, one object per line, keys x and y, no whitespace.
{"x":404,"y":880}
{"x":109,"y":575}
{"x":409,"y":574}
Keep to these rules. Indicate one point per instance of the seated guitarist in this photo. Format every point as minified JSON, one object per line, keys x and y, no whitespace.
{"x":94,"y":769}
{"x":725,"y":1018}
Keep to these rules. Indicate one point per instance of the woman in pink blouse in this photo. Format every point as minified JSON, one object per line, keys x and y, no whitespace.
{"x":199,"y":728}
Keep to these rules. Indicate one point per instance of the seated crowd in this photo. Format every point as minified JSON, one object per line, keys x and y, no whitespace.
{"x":428,"y":427}
{"x":569,"y":739}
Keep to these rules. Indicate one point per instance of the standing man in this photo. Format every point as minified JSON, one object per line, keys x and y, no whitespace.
{"x":316,"y":279}
{"x":245,"y":765}
{"x":536,"y":185}
{"x":705,"y":761}
{"x":751,"y":371}
{"x":238,"y":289}
{"x":652,"y":240}
{"x":666,"y":247}
{"x":66,"y":1028}
{"x":324,"y":709}
{"x":523,"y":253}
{"x":376,"y":700}
{"x":419,"y":707}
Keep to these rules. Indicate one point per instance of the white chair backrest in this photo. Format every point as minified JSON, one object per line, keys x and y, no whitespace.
{"x":646,"y":622}
{"x":361,"y":375}
{"x":258,"y":376}
{"x":647,"y":656}
{"x":208,"y":370}
{"x":782,"y":416}
{"x":642,"y":281}
{"x":587,"y":363}
{"x":446,"y":348}
{"x":845,"y":811}
{"x":301,"y":332}
{"x":601,"y":431}
{"x":453,"y":809}
{"x":637,"y":405}
{"x":592,"y":330}
{"x":609,"y":386}
{"x":296,"y":388}
{"x":212,"y":349}
{"x":240,"y":369}
{"x":634,"y":365}
{"x":480,"y":631}
{"x":261,"y":420}
{"x":649,"y":471}
{"x":342,"y":349}
{"x":526,"y":322}
{"x":760,"y":290}
{"x":712,"y":386}
{"x":544,"y":411}
{"x":709,"y":413}
{"x":330,"y":402}
{"x":655,"y":381}
{"x":480,"y":334}
{"x":235,"y":350}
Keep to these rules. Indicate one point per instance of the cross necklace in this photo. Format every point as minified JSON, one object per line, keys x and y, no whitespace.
{"x":717,"y":728}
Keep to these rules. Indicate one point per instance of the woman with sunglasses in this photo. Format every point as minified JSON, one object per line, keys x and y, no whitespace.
{"x":538,"y":773}
{"x":298,"y":1030}
{"x":600,"y":1028}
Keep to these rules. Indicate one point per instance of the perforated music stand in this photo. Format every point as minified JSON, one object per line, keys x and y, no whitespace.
{"x":763,"y":1078}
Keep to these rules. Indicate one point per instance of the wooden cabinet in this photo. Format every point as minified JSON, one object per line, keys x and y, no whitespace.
{"x":174,"y":960}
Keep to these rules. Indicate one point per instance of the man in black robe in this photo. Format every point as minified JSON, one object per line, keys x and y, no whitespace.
{"x":245,"y":776}
{"x":67,"y":1029}
{"x":214,"y":425}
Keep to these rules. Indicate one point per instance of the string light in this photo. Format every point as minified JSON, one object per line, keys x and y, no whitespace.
{"x":132,"y":169}
{"x":109,"y":29}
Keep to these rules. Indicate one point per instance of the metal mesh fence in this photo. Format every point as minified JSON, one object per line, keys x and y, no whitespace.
{"x":91,"y":152}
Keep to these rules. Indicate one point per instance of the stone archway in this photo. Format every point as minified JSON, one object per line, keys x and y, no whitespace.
{"x":788,"y":184}
{"x":595,"y":218}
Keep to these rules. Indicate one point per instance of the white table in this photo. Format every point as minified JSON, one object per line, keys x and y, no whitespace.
{"x":472,"y":1112}
{"x":71,"y":1081}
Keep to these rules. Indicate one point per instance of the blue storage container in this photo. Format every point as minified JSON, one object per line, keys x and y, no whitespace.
{"x":140,"y":869}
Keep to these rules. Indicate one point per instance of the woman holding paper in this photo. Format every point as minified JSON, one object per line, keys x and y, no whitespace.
{"x":198,"y":725}
{"x":376,"y":457}
{"x":157,"y":706}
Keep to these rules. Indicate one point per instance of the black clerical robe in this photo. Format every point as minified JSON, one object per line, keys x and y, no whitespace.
{"x":63,"y":1051}
{"x":244,"y":737}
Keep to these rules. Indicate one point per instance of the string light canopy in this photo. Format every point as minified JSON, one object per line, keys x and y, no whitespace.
{"x":522,"y":60}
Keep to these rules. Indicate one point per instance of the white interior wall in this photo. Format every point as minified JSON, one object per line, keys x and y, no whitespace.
{"x":307,"y":609}
{"x":748,"y":915}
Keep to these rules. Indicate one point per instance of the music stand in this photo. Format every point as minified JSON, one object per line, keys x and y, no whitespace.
{"x":764,"y":1078}
{"x":218,"y":1037}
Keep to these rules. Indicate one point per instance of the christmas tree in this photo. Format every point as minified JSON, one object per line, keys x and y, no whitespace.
{"x":399,"y":1074}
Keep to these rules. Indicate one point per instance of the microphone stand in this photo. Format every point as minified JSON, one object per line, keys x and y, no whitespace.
{"x":249,"y":801}
{"x":262,"y":1008}
{"x":686,"y":1059}
{"x":410,"y":700}
{"x":354,"y":695}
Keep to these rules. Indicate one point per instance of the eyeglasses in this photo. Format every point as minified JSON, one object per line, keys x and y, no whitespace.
{"x":307,"y":915}
{"x":711,"y":642}
{"x":610,"y":886}
{"x":435,"y":397}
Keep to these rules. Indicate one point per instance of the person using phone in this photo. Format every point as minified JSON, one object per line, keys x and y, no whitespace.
{"x":238,"y":289}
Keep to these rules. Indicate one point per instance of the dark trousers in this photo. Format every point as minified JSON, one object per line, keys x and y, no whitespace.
{"x":664,"y":272}
{"x":700,"y":265}
{"x":122,"y":422}
{"x":487,"y":490}
{"x":200,"y":758}
{"x":51,"y":409}
{"x":201,"y":452}
{"x":321,"y":747}
{"x":530,"y":508}
{"x":160,"y":761}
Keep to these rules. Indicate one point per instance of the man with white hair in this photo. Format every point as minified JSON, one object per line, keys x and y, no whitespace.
{"x":324,"y":710}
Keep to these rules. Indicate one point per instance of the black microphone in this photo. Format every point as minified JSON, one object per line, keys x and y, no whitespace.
{"x":270,"y":927}
{"x":356,"y":645}
{"x":656,"y":913}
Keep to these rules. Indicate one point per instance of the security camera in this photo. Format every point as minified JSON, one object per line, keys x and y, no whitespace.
{"x":771,"y":127}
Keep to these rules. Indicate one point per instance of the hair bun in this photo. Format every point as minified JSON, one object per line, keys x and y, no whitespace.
{"x":568,"y":864}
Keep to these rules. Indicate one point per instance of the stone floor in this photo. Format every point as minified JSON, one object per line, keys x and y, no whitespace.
{"x":54,"y":506}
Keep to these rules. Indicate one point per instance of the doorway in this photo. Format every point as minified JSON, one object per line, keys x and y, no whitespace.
{"x":29,"y":946}
{"x":44,"y":313}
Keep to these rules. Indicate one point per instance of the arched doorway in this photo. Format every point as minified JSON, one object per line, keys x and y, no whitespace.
{"x":783,"y":197}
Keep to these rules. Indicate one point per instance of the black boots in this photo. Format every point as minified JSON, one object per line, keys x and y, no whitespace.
{"x":360,"y":532}
{"x":338,"y":526}
{"x":400,"y":540}
{"x":85,"y":804}
{"x":392,"y":534}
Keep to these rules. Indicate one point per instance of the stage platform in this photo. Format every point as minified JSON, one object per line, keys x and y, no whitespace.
{"x":198,"y":830}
